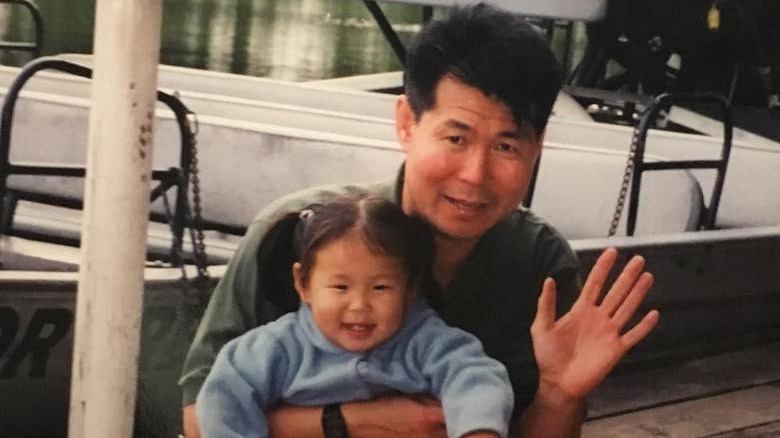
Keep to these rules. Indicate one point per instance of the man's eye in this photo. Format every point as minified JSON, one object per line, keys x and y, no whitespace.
{"x":455,"y":139}
{"x":507,"y":148}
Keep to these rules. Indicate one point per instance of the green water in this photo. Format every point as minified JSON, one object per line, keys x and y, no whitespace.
{"x":285,"y":39}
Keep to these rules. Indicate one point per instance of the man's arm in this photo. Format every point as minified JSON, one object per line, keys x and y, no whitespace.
{"x":550,"y":416}
{"x":229,"y":314}
{"x":413,"y":417}
{"x":576,"y":352}
{"x":386,"y":417}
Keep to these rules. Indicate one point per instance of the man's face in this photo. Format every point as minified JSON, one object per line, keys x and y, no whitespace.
{"x":467,"y":163}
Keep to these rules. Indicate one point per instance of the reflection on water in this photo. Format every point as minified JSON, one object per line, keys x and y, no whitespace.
{"x":287,"y":39}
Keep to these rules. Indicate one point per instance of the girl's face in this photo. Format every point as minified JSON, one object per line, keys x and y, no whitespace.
{"x":356,"y":295}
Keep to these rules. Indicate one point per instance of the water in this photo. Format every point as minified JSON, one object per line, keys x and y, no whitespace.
{"x":284,"y":39}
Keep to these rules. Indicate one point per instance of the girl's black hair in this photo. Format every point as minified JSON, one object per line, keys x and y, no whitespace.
{"x":384,"y":227}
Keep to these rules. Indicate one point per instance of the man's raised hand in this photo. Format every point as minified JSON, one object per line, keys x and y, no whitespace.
{"x":576,"y":352}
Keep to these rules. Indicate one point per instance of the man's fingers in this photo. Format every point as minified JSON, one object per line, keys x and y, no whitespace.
{"x":623,"y":284}
{"x":545,"y":308}
{"x":632,"y":301}
{"x":641,"y":330}
{"x":190,"y":421}
{"x":598,"y":276}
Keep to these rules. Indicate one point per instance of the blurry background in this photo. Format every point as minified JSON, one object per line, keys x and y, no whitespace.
{"x":284,"y":39}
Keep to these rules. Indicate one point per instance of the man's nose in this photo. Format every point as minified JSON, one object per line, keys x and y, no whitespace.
{"x":473,"y":166}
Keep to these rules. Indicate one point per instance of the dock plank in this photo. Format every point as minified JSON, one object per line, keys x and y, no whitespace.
{"x":678,"y":382}
{"x":705,"y":417}
{"x":770,"y":430}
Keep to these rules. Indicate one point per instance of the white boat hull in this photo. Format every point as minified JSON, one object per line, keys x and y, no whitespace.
{"x":251,"y":152}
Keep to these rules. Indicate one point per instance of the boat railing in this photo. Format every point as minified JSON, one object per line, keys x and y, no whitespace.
{"x":637,"y":164}
{"x":165,"y":178}
{"x":547,"y":16}
{"x":34,"y":47}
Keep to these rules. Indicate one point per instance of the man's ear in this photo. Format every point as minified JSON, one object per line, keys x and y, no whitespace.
{"x":540,"y":138}
{"x":298,"y":282}
{"x":540,"y":143}
{"x":404,"y":122}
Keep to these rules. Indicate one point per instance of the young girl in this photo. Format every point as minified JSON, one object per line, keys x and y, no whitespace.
{"x":361,"y":332}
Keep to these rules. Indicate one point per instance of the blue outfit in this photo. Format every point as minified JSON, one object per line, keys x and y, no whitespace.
{"x":290,"y":360}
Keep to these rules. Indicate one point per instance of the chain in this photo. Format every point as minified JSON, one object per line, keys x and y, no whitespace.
{"x":621,"y":201}
{"x":176,"y":240}
{"x":195,"y":215}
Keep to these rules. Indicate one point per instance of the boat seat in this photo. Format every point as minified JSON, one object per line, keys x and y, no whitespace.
{"x":577,"y":189}
{"x":750,"y":193}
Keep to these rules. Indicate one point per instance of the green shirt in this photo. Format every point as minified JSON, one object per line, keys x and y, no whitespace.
{"x":493,"y":295}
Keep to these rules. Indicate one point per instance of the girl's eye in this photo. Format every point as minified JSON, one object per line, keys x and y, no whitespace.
{"x":382,"y":287}
{"x":339,"y":287}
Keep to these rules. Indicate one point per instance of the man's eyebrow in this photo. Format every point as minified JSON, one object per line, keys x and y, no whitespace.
{"x":457,"y":124}
{"x":515,"y":134}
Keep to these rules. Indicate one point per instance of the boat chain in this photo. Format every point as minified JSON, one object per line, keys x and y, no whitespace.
{"x":621,"y":201}
{"x":196,"y":219}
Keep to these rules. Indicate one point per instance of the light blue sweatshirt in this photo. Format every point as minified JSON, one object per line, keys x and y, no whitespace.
{"x":290,"y":360}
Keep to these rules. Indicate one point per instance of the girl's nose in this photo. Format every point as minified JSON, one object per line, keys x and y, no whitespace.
{"x":358,"y":302}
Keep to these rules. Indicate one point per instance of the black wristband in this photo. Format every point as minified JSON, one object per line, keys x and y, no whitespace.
{"x":333,"y":425}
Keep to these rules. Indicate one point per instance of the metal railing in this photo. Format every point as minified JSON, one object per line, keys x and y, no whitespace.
{"x":166,"y":178}
{"x":646,"y":121}
{"x":548,"y":25}
{"x":33,"y":47}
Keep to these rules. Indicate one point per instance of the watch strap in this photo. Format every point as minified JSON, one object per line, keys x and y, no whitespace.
{"x":333,"y":424}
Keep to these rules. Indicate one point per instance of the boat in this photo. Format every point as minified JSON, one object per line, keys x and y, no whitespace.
{"x":672,"y":201}
{"x":38,"y":281}
{"x":39,"y":278}
{"x":326,"y":147}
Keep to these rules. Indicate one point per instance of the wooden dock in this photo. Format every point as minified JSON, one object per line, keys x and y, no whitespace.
{"x":736,"y":394}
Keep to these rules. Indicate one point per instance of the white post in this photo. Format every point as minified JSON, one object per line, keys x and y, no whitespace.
{"x":116,"y":208}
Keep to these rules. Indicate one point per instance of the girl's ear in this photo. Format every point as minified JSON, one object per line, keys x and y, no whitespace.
{"x":298,"y":282}
{"x":413,"y":294}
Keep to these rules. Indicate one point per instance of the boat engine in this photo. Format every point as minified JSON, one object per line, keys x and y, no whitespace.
{"x":729,"y":46}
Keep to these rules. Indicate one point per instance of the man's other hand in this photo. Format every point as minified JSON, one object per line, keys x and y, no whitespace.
{"x":190,"y":422}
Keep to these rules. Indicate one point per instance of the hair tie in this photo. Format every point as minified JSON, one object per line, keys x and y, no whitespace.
{"x":304,"y":219}
{"x":305,"y":215}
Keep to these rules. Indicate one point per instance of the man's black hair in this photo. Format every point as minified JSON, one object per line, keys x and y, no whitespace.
{"x":491,"y":50}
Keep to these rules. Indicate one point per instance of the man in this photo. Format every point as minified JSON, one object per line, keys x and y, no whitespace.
{"x":480,"y":86}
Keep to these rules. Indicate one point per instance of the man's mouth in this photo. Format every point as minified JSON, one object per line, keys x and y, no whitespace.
{"x":466,"y":205}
